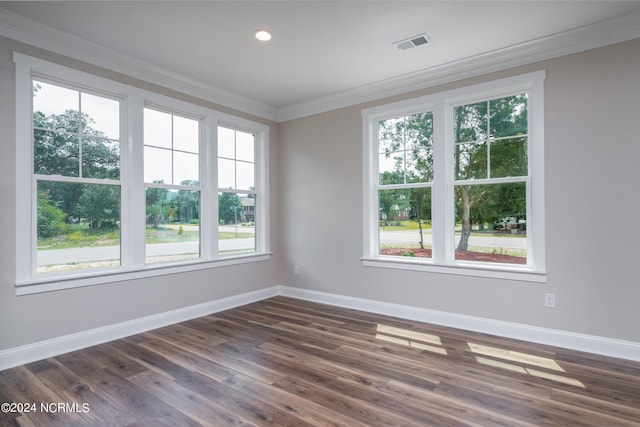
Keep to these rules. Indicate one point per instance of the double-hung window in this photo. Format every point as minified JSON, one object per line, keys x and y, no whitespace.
{"x":237,"y":193}
{"x":454,"y":182}
{"x":114,"y":182}
{"x":76,"y":177}
{"x":172,"y":186}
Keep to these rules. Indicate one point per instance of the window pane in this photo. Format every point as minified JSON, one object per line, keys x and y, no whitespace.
{"x":100,"y":158}
{"x":471,"y":161}
{"x":78,"y":226}
{"x":157,"y":165}
{"x":185,"y":134}
{"x":58,"y":152}
{"x":419,"y":165}
{"x":245,"y":176}
{"x":391,"y":168}
{"x":226,"y":174}
{"x":226,"y":143}
{"x":103,"y":116}
{"x":185,"y":168}
{"x":157,"y":128}
{"x":491,"y":223}
{"x":51,"y":100}
{"x":405,"y":222}
{"x":509,"y":157}
{"x":173,"y":230}
{"x":405,"y":147}
{"x":245,"y":146}
{"x":55,"y":153}
{"x":470,"y":122}
{"x":509,"y":116}
{"x":236,"y":232}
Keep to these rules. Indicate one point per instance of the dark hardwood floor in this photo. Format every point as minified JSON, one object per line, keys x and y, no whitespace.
{"x":287,"y":362}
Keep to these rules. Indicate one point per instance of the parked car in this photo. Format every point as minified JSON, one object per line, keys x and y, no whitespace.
{"x":510,"y":223}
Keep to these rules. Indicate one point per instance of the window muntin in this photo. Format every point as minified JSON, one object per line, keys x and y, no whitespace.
{"x":76,"y":164}
{"x":237,"y":194}
{"x":487,"y":140}
{"x":79,"y":170}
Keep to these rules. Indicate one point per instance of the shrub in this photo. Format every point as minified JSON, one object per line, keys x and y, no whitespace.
{"x":51,"y":219}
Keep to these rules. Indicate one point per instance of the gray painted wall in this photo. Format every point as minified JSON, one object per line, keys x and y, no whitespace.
{"x":592,"y":162}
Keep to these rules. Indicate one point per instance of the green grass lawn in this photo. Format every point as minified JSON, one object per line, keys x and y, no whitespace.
{"x":403,"y":226}
{"x":80,"y":236}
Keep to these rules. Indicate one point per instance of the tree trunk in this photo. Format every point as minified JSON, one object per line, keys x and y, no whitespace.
{"x":463,"y":245}
{"x":421,"y":237}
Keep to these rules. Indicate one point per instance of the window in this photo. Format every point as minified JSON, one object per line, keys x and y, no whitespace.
{"x":405,"y":177}
{"x":454,"y":181}
{"x":236,"y":191}
{"x":172,"y":186}
{"x":115,"y":182}
{"x":76,"y":164}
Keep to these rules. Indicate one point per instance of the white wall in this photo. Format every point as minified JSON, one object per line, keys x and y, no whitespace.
{"x":592,"y":161}
{"x":33,"y":318}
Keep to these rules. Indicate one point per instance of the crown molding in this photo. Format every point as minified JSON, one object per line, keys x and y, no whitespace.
{"x":577,"y":40}
{"x":584,"y":38}
{"x":30,"y":32}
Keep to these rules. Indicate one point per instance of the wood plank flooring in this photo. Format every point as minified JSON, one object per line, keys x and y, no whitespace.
{"x":288,"y":362}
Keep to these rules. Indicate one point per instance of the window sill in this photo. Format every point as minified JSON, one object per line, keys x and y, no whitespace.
{"x":462,"y":269}
{"x":51,"y":283}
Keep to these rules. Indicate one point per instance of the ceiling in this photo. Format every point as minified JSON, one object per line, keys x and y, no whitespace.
{"x":323,"y":53}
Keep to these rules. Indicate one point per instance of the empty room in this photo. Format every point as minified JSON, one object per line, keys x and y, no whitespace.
{"x":319,"y":213}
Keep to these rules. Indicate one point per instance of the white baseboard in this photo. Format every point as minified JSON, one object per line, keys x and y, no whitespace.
{"x":52,"y":347}
{"x":588,"y":343}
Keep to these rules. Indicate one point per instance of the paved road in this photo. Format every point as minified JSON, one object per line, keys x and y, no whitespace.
{"x":109,"y":253}
{"x":413,"y":237}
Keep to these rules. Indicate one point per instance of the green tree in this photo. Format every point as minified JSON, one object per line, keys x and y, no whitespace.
{"x":408,"y":142}
{"x":99,"y":205}
{"x":51,"y":219}
{"x":67,"y":145}
{"x":490,"y":142}
{"x":188,"y":202}
{"x":229,"y":207}
{"x":157,"y":200}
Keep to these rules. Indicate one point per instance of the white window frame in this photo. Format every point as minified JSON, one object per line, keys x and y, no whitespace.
{"x":443,"y":217}
{"x":133,"y":198}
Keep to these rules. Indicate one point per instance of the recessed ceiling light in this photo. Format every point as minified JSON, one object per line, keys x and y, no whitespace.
{"x":263,"y":35}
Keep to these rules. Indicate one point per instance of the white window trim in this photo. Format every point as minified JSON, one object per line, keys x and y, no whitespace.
{"x":443,"y":183}
{"x":132,"y":178}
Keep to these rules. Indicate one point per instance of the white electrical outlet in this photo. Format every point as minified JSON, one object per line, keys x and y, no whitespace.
{"x":550,"y":300}
{"x":296,"y":269}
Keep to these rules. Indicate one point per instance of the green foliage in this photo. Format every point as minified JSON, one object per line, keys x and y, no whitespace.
{"x":57,"y":141}
{"x":99,"y":205}
{"x":491,"y":142}
{"x":229,"y":207}
{"x":51,"y":219}
{"x":67,"y":145}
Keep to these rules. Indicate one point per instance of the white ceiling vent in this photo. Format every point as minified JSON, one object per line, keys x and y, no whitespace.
{"x":420,"y":39}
